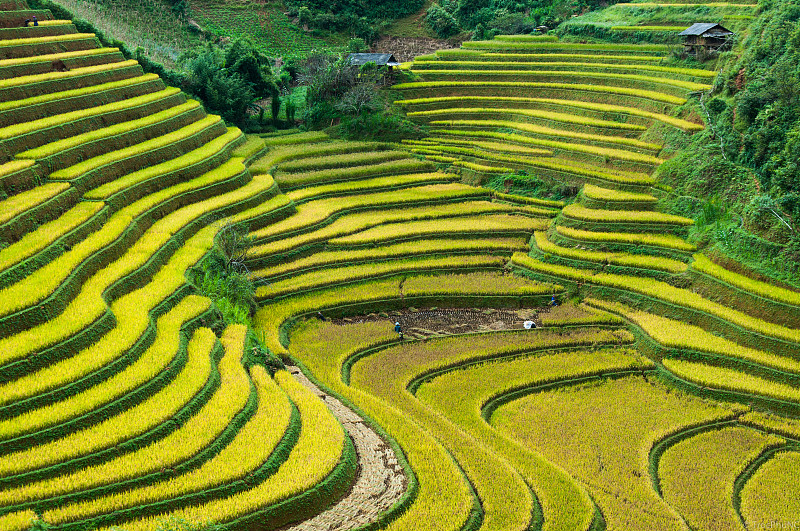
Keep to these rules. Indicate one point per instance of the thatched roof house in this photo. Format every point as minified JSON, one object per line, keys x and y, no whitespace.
{"x":706,"y":36}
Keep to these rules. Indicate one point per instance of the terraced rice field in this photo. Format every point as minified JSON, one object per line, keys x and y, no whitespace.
{"x":659,"y":394}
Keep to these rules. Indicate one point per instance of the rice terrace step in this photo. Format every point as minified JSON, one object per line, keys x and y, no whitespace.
{"x":499,"y":323}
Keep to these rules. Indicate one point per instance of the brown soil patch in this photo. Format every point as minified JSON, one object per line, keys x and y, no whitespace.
{"x":407,"y":48}
{"x":420,"y":324}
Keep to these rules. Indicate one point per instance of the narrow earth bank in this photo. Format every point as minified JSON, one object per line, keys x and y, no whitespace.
{"x":380,"y":483}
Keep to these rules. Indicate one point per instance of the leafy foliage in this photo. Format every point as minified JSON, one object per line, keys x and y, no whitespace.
{"x":339,"y":92}
{"x":748,"y":155}
{"x":354,"y":16}
{"x":225,"y":279}
{"x":487,"y":18}
{"x":229,"y":80}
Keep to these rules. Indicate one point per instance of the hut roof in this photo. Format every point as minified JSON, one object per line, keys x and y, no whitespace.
{"x":380,"y":59}
{"x":706,"y":29}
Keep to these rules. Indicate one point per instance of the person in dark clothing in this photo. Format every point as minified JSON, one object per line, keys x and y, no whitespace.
{"x":35,"y":21}
{"x":398,"y":329}
{"x":553,"y":301}
{"x":320,"y":316}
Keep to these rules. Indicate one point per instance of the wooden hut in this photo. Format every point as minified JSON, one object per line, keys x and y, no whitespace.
{"x":380,"y":59}
{"x":706,"y":37}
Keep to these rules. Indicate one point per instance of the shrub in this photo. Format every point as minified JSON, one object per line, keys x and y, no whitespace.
{"x":224,"y":277}
{"x":229,"y":80}
{"x":441,"y":22}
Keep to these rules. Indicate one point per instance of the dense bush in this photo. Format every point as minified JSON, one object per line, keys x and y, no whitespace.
{"x":349,"y":96}
{"x":487,"y":18}
{"x":441,"y":21}
{"x":229,"y":80}
{"x":768,"y":104}
{"x":521,"y":183}
{"x":225,"y":279}
{"x":356,"y":17}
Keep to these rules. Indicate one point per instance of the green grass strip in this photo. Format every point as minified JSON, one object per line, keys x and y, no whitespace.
{"x":638,"y":93}
{"x":67,"y":143}
{"x":510,"y":137}
{"x":658,"y":240}
{"x":134,"y":421}
{"x":574,"y":56}
{"x":589,"y":172}
{"x":582,"y":213}
{"x":192,"y":157}
{"x":704,"y":265}
{"x":392,"y":252}
{"x":649,"y":28}
{"x":600,"y":107}
{"x":730,"y":380}
{"x":462,"y":226}
{"x":348,"y":160}
{"x":198,"y":432}
{"x":499,"y":67}
{"x":395,"y":167}
{"x":18,"y":521}
{"x":308,"y":137}
{"x":674,"y":334}
{"x":60,"y":119}
{"x":44,"y":235}
{"x":526,"y":38}
{"x":44,"y":40}
{"x":662,"y":291}
{"x":56,"y":56}
{"x":529,"y":200}
{"x":545,"y":115}
{"x":688,"y":85}
{"x":369,"y":185}
{"x":566,"y":46}
{"x":75,"y":171}
{"x":541,"y":130}
{"x":619,"y":259}
{"x":67,"y":94}
{"x":605,"y":194}
{"x":53,"y":76}
{"x":319,"y":449}
{"x":355,"y":273}
{"x":14,"y":166}
{"x":250,"y":448}
{"x":19,"y":204}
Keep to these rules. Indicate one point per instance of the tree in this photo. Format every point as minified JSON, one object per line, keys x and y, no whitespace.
{"x":230,"y":80}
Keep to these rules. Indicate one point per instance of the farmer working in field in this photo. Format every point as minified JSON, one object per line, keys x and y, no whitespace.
{"x":398,"y":329}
